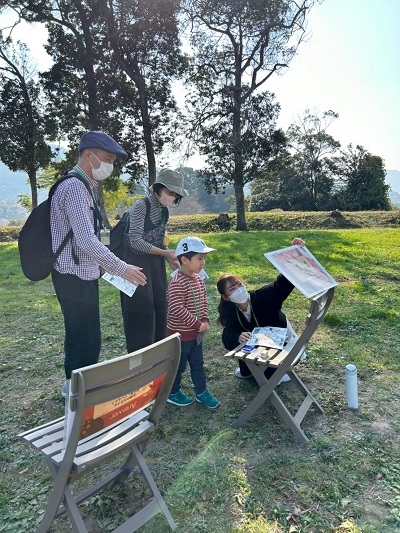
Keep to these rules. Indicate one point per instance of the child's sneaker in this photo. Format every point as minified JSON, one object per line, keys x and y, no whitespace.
{"x":208,"y":399}
{"x":180,"y":398}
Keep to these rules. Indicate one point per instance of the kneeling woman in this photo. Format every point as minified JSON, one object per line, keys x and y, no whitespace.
{"x":241,"y":311}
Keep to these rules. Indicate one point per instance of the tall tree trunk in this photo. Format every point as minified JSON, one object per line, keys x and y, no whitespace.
{"x":147,"y":127}
{"x":93,"y":108}
{"x":91,"y":85}
{"x":132,"y":70}
{"x":129,"y":64}
{"x":33,"y":184}
{"x":31,"y":148}
{"x":238,"y":155}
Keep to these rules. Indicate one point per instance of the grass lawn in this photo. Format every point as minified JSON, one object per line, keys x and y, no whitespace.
{"x":259,"y":478}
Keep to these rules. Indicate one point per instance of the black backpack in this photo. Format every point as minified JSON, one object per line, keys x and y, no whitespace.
{"x":34,"y":240}
{"x":118,"y":236}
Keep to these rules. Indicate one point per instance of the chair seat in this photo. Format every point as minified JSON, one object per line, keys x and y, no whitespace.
{"x":125,"y":397}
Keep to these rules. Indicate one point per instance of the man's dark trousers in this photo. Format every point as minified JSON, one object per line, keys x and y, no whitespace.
{"x":79,"y":301}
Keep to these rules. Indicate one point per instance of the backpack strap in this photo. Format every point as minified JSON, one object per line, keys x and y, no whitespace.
{"x":70,"y":233}
{"x":148,"y":224}
{"x":95,"y":209}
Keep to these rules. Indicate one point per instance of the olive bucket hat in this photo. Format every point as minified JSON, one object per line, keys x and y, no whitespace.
{"x":172,"y":180}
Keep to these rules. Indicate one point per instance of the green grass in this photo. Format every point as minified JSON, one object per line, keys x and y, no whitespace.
{"x":259,"y":478}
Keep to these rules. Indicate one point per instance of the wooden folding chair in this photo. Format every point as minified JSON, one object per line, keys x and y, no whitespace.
{"x":283,"y":362}
{"x":111,"y":407}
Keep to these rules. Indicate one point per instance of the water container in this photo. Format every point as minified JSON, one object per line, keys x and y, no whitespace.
{"x":351,"y":387}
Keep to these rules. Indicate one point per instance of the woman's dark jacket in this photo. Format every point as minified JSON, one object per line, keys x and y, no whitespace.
{"x":266,"y":305}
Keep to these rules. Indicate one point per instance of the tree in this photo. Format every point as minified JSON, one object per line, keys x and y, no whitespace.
{"x":85,"y":92}
{"x":279,"y":186}
{"x":99,"y":48}
{"x":71,"y":85}
{"x":260,"y":142}
{"x":362,"y":177}
{"x":314,"y":150}
{"x":145,"y":44}
{"x":238,"y":45}
{"x":24,"y":126}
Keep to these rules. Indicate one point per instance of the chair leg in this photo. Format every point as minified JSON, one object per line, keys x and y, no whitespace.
{"x":300,"y":385}
{"x":158,"y":504}
{"x":56,"y":497}
{"x":127,"y":468}
{"x":288,"y":418}
{"x":154,"y":489}
{"x":258,"y":401}
{"x":73,"y":511}
{"x":268,"y":392}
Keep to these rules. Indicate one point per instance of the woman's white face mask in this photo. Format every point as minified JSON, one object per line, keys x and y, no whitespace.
{"x":239,"y":295}
{"x":104,"y":170}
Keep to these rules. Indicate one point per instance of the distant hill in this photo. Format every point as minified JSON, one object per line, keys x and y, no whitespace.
{"x":11,"y":185}
{"x":393,"y":179}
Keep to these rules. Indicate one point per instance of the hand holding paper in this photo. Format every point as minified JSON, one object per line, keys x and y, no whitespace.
{"x":120,"y":283}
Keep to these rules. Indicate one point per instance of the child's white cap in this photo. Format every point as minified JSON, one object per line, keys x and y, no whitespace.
{"x":192,"y":244}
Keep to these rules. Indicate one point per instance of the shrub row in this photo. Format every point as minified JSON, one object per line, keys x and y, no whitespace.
{"x":285,"y":221}
{"x":269,"y":220}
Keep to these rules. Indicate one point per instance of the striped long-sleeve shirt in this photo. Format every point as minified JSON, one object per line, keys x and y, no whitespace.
{"x":137,"y":217}
{"x":71,"y":207}
{"x":187,"y":306}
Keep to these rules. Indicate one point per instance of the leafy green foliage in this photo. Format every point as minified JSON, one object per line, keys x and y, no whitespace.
{"x":25,"y":126}
{"x":194,"y":184}
{"x":113,"y":65}
{"x":315,"y":177}
{"x":363,"y":178}
{"x":118,"y":201}
{"x":314,"y":148}
{"x":259,"y":141}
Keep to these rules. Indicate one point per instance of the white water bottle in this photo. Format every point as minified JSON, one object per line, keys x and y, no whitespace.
{"x":351,"y":387}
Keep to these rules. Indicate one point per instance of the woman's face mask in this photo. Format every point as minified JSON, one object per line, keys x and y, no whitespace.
{"x":104,"y":170}
{"x":239,"y":295}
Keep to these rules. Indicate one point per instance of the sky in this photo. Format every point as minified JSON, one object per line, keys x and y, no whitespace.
{"x":349,"y":64}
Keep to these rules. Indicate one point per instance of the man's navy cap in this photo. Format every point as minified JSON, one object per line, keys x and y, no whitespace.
{"x":99,"y":139}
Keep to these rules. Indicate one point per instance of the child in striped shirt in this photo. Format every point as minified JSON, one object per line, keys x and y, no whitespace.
{"x":188,"y":315}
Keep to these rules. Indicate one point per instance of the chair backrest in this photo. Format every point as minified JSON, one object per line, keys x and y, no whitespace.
{"x":318,"y":309}
{"x":104,"y":394}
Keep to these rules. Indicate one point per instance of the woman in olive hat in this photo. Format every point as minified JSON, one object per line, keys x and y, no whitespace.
{"x":145,"y":313}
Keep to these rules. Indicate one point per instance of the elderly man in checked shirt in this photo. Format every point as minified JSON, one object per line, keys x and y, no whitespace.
{"x":77,"y":270}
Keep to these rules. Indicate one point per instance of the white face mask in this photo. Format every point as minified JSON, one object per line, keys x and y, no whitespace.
{"x":239,"y":296}
{"x":104,"y":170}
